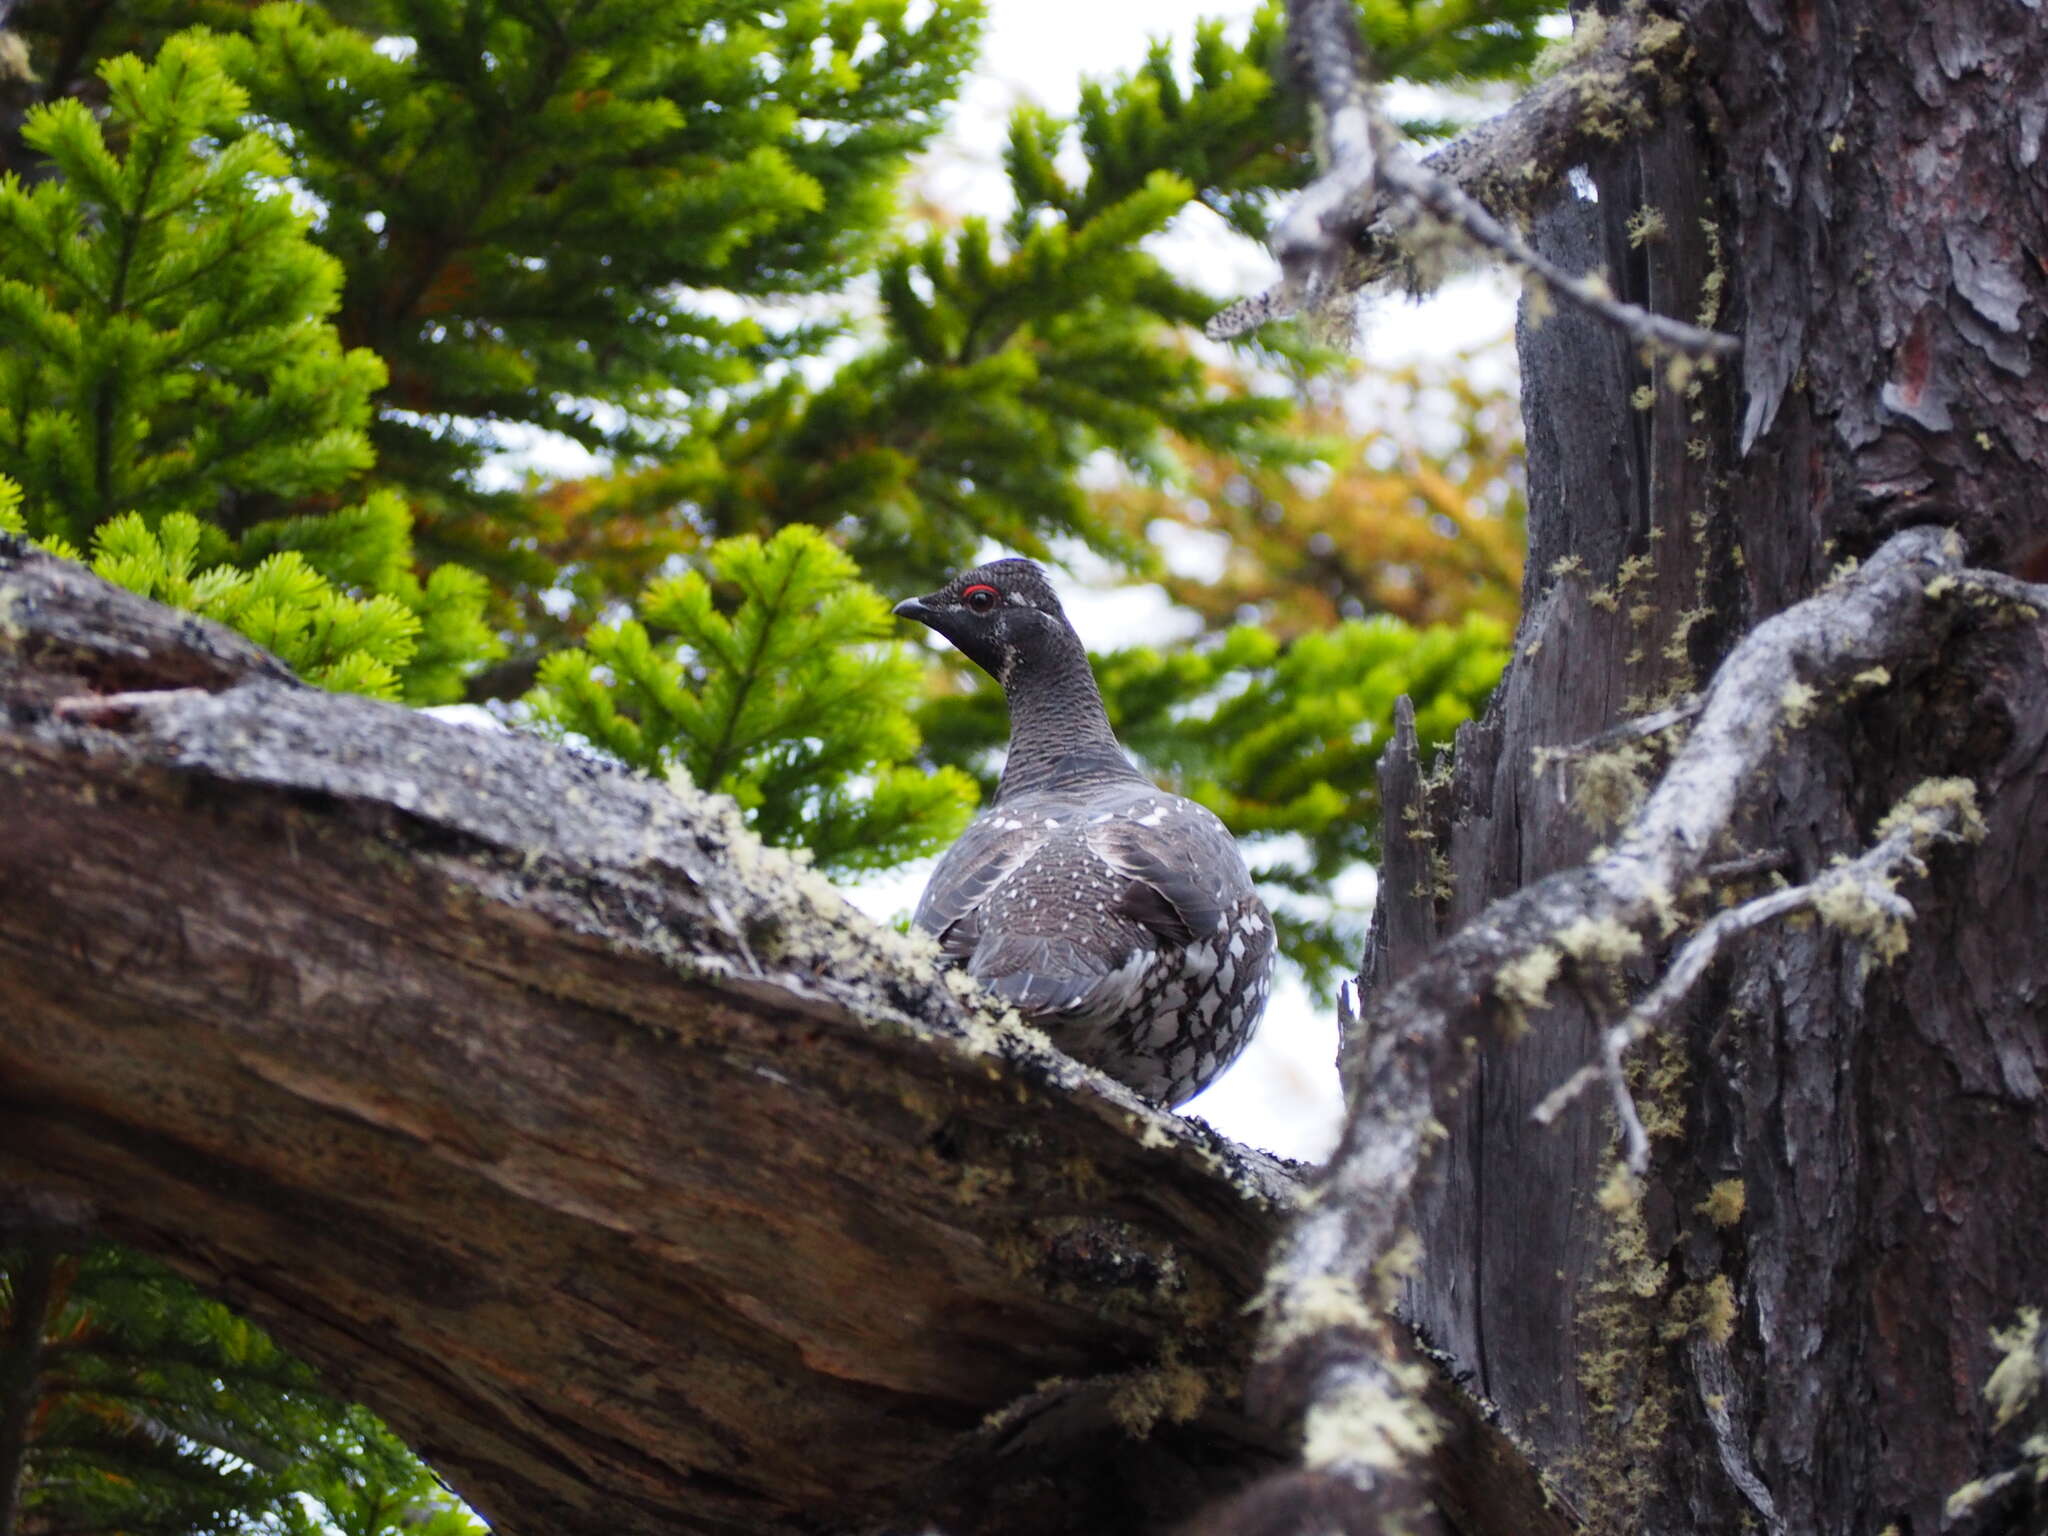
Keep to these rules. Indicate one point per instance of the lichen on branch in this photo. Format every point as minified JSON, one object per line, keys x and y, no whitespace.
{"x":1414,"y":1041}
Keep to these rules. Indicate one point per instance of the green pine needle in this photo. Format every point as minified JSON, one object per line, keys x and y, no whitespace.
{"x":771,"y":677}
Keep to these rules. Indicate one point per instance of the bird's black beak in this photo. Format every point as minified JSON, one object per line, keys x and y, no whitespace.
{"x":916,"y":608}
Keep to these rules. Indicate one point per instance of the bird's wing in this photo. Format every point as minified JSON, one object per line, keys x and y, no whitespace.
{"x":988,"y":852}
{"x":1045,"y":973}
{"x":1153,"y":880}
{"x":1182,"y":869}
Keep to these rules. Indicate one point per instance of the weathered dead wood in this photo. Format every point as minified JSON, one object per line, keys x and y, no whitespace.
{"x":640,"y":1183}
{"x":1852,"y":190}
{"x":1327,"y":1352}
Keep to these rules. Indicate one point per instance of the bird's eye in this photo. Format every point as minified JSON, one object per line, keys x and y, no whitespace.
{"x":980,"y":599}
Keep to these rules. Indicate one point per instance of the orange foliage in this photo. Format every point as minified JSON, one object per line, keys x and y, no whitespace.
{"x":1414,"y":508}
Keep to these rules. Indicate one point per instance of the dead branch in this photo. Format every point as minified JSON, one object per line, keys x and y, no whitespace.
{"x":638,"y":1181}
{"x":1858,"y":897}
{"x":1346,"y":230}
{"x":1326,"y":1351}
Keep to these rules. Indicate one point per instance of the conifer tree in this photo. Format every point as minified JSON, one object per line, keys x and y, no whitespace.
{"x":165,"y":359}
{"x":130,"y":1402}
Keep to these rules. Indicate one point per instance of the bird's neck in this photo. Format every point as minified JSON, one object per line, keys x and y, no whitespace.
{"x":1059,"y":731}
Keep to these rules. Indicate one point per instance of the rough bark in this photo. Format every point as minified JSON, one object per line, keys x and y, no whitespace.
{"x":638,"y":1182}
{"x":1858,"y":191}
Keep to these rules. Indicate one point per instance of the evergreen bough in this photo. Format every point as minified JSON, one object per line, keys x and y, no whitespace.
{"x":157,"y":1409}
{"x":792,"y":696}
{"x":165,"y":356}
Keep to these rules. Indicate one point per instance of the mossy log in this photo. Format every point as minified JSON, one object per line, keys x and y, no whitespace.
{"x":635,"y":1179}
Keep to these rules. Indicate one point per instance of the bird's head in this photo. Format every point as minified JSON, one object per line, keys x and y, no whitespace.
{"x":996,"y":614}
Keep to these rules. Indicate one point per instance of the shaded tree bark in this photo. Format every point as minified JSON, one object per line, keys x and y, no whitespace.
{"x":1789,"y":1325}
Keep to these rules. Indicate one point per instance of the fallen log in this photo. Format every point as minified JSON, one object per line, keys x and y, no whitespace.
{"x":639,"y":1182}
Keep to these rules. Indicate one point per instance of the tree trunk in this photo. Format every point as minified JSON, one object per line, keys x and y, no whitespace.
{"x":1790,"y":1329}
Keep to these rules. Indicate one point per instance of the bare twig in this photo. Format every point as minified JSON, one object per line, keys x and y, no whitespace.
{"x":1858,"y":894}
{"x":1764,"y":861}
{"x":2022,"y":600}
{"x":1626,"y":734}
{"x":1311,"y":241}
{"x":1344,"y":231}
{"x":1588,"y":291}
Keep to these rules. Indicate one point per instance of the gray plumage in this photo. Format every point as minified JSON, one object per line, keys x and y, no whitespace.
{"x":1114,"y":915}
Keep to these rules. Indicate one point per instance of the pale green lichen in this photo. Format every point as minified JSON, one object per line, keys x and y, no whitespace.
{"x":1364,"y":1425}
{"x":1623,"y":1372}
{"x":1600,"y":941}
{"x":1922,"y":806}
{"x":1154,"y":1135}
{"x":1797,"y":701}
{"x":1172,"y":1391}
{"x":1656,"y":1081}
{"x":1618,"y":1192}
{"x":1707,"y":1309}
{"x":2015,"y":1383}
{"x":1852,"y":906}
{"x":1608,"y":786}
{"x":1678,"y":649}
{"x":1724,"y":1203}
{"x":1316,"y":1303}
{"x":1589,"y":30}
{"x":1715,"y":281}
{"x":1646,"y":224}
{"x":1930,"y":811}
{"x":1390,"y":1271}
{"x":2016,"y":1380}
{"x":1523,"y":982}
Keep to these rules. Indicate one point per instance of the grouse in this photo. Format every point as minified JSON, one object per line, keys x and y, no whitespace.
{"x":1116,"y":917}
